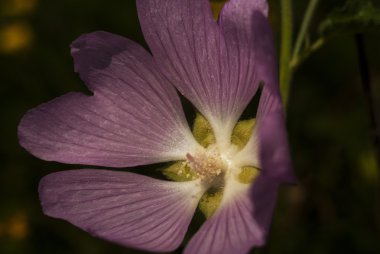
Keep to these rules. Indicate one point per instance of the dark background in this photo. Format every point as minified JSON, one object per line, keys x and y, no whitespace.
{"x":334,"y":208}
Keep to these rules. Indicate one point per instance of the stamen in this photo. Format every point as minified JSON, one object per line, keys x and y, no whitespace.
{"x":207,"y":165}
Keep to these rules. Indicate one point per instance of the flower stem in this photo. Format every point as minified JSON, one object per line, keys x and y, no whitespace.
{"x":286,"y":48}
{"x":304,"y":27}
{"x":313,"y":47}
{"x":290,"y":60}
{"x":367,"y":88}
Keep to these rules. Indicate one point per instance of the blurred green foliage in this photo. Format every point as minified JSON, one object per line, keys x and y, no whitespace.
{"x":334,"y":208}
{"x":354,"y":17}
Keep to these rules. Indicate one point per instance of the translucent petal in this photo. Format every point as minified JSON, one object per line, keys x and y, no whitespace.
{"x":134,"y":117}
{"x":125,"y":208}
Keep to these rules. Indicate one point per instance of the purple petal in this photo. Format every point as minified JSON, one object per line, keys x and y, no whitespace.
{"x":129,"y":209}
{"x":270,"y":101}
{"x":240,"y":224}
{"x":193,"y":53}
{"x":249,"y":36}
{"x":265,"y":49}
{"x":245,"y":25}
{"x":239,"y":11}
{"x":263,"y":194}
{"x":274,"y":154}
{"x":269,"y":140}
{"x":134,"y":118}
{"x":274,"y":151}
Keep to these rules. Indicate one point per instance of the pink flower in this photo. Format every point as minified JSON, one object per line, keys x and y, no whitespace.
{"x":135,"y":117}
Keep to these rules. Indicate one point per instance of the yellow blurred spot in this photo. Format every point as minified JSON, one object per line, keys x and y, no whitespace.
{"x":368,"y":166}
{"x":295,"y":195}
{"x":15,"y":37}
{"x":18,"y":226}
{"x":18,"y":7}
{"x":216,"y":7}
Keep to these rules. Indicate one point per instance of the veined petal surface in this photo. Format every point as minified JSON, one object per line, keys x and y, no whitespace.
{"x":241,"y":222}
{"x":210,"y":65}
{"x":245,"y":41}
{"x":134,"y":117}
{"x":245,"y":25}
{"x":129,"y":209}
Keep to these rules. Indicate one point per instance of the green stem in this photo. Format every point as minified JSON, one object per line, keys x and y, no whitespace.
{"x":286,"y":48}
{"x":306,"y":53}
{"x":304,"y":27}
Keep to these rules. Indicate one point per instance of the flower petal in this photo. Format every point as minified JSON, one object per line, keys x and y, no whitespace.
{"x":213,"y":74}
{"x":240,"y":223}
{"x":135,"y":116}
{"x":269,"y":141}
{"x":240,"y":11}
{"x":274,"y":151}
{"x":244,"y":23}
{"x":129,"y":209}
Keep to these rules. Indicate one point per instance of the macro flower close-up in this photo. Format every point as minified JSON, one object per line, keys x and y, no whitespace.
{"x":228,"y":167}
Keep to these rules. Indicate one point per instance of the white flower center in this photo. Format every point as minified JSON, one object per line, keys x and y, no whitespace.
{"x":211,"y":165}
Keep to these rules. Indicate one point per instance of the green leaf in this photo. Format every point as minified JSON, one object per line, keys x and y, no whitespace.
{"x":356,"y":16}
